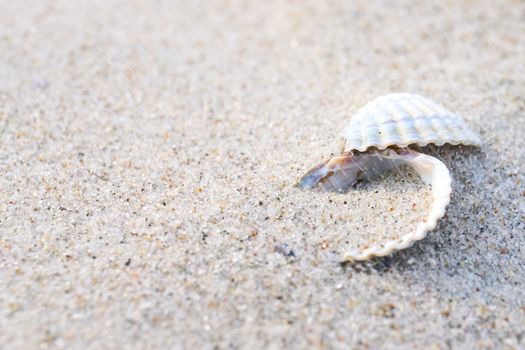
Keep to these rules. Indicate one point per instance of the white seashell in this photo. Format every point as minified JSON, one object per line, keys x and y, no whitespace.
{"x":404,"y":119}
{"x":433,"y":172}
{"x":378,"y":138}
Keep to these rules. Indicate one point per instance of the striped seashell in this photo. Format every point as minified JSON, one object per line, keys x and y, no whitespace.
{"x":383,"y":133}
{"x":404,"y":119}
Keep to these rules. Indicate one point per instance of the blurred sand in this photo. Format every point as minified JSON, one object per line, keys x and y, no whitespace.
{"x":149,"y":149}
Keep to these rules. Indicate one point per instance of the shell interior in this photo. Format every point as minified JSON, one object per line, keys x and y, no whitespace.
{"x":433,"y":172}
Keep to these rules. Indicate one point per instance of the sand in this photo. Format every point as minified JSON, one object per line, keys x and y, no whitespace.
{"x":149,"y":149}
{"x":396,"y":205}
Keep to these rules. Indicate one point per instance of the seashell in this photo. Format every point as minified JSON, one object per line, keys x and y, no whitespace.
{"x":381,"y":136}
{"x":405,"y":119}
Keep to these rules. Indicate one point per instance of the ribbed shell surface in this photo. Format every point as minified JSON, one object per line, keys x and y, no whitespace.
{"x":404,"y":119}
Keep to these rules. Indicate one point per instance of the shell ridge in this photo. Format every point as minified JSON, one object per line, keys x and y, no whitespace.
{"x":402,"y":119}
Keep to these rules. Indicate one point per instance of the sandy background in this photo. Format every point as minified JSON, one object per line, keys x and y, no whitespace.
{"x":148,"y":151}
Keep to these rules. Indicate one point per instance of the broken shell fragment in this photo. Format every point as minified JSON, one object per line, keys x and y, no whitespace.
{"x":382,"y":136}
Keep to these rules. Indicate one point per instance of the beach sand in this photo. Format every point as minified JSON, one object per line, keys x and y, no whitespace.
{"x":148,"y":154}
